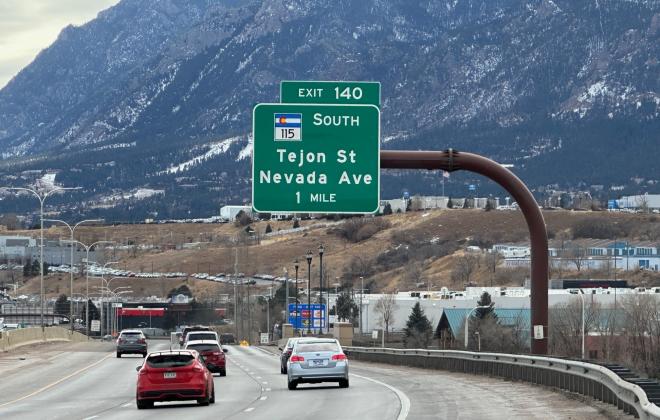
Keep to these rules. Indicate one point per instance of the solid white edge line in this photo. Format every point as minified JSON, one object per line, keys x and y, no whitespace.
{"x":403,"y":398}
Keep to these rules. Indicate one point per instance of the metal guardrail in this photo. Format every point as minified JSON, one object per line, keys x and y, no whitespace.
{"x":579,"y":377}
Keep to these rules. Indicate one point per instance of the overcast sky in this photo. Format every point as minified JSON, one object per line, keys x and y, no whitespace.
{"x":29,"y":26}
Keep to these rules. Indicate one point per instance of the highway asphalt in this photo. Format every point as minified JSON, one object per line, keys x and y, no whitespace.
{"x":88,"y":382}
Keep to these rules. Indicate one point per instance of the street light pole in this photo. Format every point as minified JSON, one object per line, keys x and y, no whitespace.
{"x":103,"y":317}
{"x":467,"y":323}
{"x":87,"y":248}
{"x":295,"y":265}
{"x":72,"y":230}
{"x":361,"y":293}
{"x":321,"y":250}
{"x":309,"y":292}
{"x":41,"y":198}
{"x":581,"y":294}
{"x":286,"y":299}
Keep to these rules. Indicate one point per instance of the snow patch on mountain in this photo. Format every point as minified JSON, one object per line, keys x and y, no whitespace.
{"x":215,"y":149}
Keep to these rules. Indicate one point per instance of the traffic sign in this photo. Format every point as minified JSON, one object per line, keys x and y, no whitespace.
{"x":96,"y":325}
{"x":264,"y":338}
{"x":311,"y":158}
{"x":329,"y":92}
{"x":313,"y":316}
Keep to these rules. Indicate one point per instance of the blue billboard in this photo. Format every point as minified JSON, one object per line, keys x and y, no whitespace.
{"x":308,"y":316}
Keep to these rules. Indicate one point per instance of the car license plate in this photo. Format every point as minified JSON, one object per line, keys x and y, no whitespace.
{"x":169,"y":375}
{"x":317,"y":363}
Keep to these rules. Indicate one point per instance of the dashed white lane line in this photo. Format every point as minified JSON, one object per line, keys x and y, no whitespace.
{"x":247,"y":410}
{"x":265,"y":382}
{"x":264,"y":398}
{"x":127,"y":405}
{"x":403,"y":398}
{"x":258,"y":377}
{"x":268,"y":389}
{"x":90,"y":418}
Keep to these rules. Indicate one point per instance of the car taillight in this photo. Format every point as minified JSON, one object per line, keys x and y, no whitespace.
{"x":216,"y":353}
{"x":142,"y":341}
{"x":340,"y":356}
{"x":120,"y":340}
{"x":297,"y":358}
{"x":142,"y":371}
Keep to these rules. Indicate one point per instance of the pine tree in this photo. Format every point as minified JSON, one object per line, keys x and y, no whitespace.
{"x":418,"y":329}
{"x":485,"y":300}
{"x":387,"y":209}
{"x":268,"y":228}
{"x":296,"y":224}
{"x":450,"y":204}
{"x":62,"y":305}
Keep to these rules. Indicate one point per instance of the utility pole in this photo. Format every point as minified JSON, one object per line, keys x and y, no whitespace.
{"x":235,"y":298}
{"x":309,"y":292}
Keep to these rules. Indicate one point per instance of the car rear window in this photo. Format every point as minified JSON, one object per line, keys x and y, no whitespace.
{"x":316,"y":347}
{"x":131,"y":334}
{"x":201,"y":336}
{"x":170,"y":360}
{"x":204,"y":347}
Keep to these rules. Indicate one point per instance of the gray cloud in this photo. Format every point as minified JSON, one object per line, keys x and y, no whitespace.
{"x":27,"y":27}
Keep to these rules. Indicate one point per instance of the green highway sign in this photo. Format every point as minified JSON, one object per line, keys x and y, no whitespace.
{"x":345,"y":93}
{"x":310,"y":158}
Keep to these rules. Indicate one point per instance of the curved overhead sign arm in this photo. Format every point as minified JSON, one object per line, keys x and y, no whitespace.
{"x":452,"y":160}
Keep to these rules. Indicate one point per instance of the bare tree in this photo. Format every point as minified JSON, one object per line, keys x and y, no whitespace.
{"x":577,"y":255}
{"x":565,"y":323}
{"x":464,"y":268}
{"x":385,"y":306}
{"x":643,"y":203}
{"x":413,"y":273}
{"x":492,"y":258}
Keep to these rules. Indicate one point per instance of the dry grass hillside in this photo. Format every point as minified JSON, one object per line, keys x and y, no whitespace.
{"x":403,"y":251}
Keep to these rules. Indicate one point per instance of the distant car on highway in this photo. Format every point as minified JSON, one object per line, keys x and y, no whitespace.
{"x":174,"y":376}
{"x":131,"y":342}
{"x":213,"y":353}
{"x":186,"y":330}
{"x":286,"y":352}
{"x":315,"y":361}
{"x":227,"y":338}
{"x":201,"y":335}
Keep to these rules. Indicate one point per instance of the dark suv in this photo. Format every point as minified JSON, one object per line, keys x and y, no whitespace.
{"x":131,"y":341}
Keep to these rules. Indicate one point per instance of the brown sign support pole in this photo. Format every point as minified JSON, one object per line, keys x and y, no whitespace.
{"x":452,"y":160}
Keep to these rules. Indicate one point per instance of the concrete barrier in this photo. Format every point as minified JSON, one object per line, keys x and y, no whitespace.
{"x":25,"y":336}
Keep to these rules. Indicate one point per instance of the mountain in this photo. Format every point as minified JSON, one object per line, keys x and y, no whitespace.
{"x":157,"y":95}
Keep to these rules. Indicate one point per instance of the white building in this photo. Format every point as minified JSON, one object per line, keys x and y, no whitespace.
{"x":16,"y":248}
{"x":635,"y":202}
{"x":229,"y":213}
{"x":588,"y":254}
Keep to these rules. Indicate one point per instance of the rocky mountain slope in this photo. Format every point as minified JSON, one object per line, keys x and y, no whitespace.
{"x":151,"y":86}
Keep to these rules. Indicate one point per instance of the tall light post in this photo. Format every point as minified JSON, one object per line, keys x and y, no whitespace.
{"x":102,"y":295}
{"x":361,"y":293}
{"x":309,"y":292}
{"x":286,"y":298}
{"x":581,"y":294}
{"x":87,"y":248}
{"x":41,"y":197}
{"x":321,"y":250}
{"x":467,"y":323}
{"x":72,"y":229}
{"x":297,"y":321}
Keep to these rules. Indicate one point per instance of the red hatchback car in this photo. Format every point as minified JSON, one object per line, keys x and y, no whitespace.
{"x":214,"y":356}
{"x":174,"y":376}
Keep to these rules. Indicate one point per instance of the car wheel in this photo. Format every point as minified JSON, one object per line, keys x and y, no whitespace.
{"x":204,"y":401}
{"x":223,"y":372}
{"x":212,"y":399}
{"x":141,"y":404}
{"x":343,"y":383}
{"x":293,"y":385}
{"x":118,"y":355}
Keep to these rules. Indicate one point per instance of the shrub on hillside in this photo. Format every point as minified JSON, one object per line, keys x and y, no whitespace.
{"x":359,"y":229}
